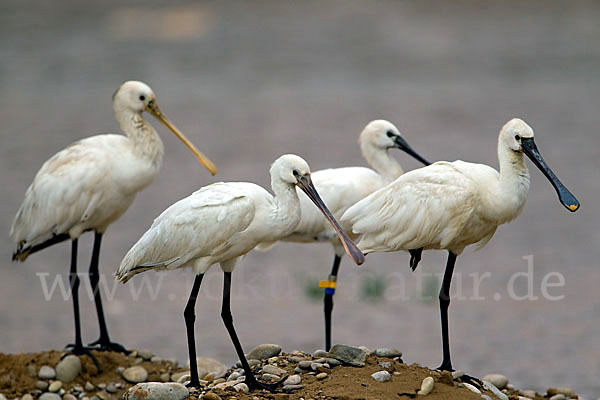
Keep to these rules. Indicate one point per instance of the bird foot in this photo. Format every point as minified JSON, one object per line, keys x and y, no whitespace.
{"x":253,"y":384}
{"x":80,"y":350}
{"x":106,"y":345}
{"x":192,"y":384}
{"x":415,"y":258}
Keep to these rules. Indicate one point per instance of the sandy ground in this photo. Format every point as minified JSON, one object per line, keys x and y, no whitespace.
{"x":248,"y":82}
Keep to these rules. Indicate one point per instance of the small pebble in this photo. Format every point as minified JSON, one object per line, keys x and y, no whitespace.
{"x":89,"y":386}
{"x":176,"y":377}
{"x":299,"y":370}
{"x":292,"y":380}
{"x":77,"y":388}
{"x":498,"y":380}
{"x":49,"y":396}
{"x":290,"y":388}
{"x":295,"y":359}
{"x":397,"y":373}
{"x":333,"y":362}
{"x":558,"y":396}
{"x":47,"y":372}
{"x":264,"y":351}
{"x":138,"y":361}
{"x":156,"y":359}
{"x":458,"y":374}
{"x":305,"y":364}
{"x":111,"y":388}
{"x":219,"y":380}
{"x":381,"y":376}
{"x":157,"y":391}
{"x":271,"y":369}
{"x":234,"y":376}
{"x":103,"y":395}
{"x":471,"y":388}
{"x":27,"y":397}
{"x":135,"y":374}
{"x":211,"y":396}
{"x":55,"y":386}
{"x":486,"y":397}
{"x":320,"y":353}
{"x":525,"y":398}
{"x":322,"y":375}
{"x":568,"y":392}
{"x":492,"y":388}
{"x":388,"y":353}
{"x":69,"y":397}
{"x":42,"y":385}
{"x":242,"y":387}
{"x":165,"y":377}
{"x":354,"y":356}
{"x":68,"y":368}
{"x":270,"y":377}
{"x":426,"y":386}
{"x":527,"y":393}
{"x":119,"y":370}
{"x":102,"y":386}
{"x":145,"y":354}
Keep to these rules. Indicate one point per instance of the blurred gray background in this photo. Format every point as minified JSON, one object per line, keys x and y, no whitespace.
{"x":248,"y":81}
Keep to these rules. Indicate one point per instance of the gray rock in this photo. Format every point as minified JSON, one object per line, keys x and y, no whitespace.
{"x":111,"y":388}
{"x":158,"y":391}
{"x":492,"y":388}
{"x":527,"y":393}
{"x":89,"y":386}
{"x":271,"y":369}
{"x":49,"y":396}
{"x":42,"y":385}
{"x":55,"y":386}
{"x":458,"y":374}
{"x":292,"y":380}
{"x":77,"y":389}
{"x":295,"y":359}
{"x":264,"y":351}
{"x":498,"y":380}
{"x":381,"y":376}
{"x":242,"y":387}
{"x":47,"y":372}
{"x":102,"y":386}
{"x":315,"y":366}
{"x":305,"y":364}
{"x":333,"y":362}
{"x":384,"y":364}
{"x":135,"y":374}
{"x":68,"y":368}
{"x":165,"y":377}
{"x":426,"y":386}
{"x":299,"y":370}
{"x":27,"y":397}
{"x":389,"y":353}
{"x":568,"y":392}
{"x":234,"y":376}
{"x":178,"y":375}
{"x":145,"y":354}
{"x":290,"y":388}
{"x":349,"y":355}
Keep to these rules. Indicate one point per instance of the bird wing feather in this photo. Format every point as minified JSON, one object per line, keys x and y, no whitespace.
{"x":427,"y":207}
{"x":201,"y":225}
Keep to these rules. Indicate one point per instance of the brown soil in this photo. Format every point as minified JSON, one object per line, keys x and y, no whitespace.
{"x":18,"y":375}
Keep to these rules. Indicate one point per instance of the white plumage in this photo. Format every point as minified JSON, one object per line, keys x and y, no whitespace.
{"x":450,"y":205}
{"x":90,"y":184}
{"x":218,"y":224}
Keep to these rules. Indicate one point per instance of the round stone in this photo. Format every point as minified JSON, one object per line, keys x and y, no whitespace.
{"x":558,"y":396}
{"x":273,"y":370}
{"x":68,"y":368}
{"x":55,"y":386}
{"x":264,"y":351}
{"x":111,"y":388}
{"x":388,"y":353}
{"x":47,"y":372}
{"x":211,"y":396}
{"x":566,"y":391}
{"x":89,"y":386}
{"x":135,"y":374}
{"x":27,"y":397}
{"x":42,"y":385}
{"x":381,"y":376}
{"x":145,"y":354}
{"x":165,"y":377}
{"x":69,"y":396}
{"x":322,"y":375}
{"x":242,"y":387}
{"x":156,"y":359}
{"x":498,"y":380}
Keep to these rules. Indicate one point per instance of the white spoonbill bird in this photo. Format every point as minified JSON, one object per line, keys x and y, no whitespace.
{"x":342,"y":187}
{"x":90,"y":184}
{"x":220,"y":223}
{"x":450,"y":205}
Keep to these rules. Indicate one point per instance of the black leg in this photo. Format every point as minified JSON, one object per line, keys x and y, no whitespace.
{"x":444,"y":304}
{"x":328,"y":300}
{"x":415,"y":257}
{"x":74,"y":281}
{"x":189,"y":314}
{"x":228,"y":321}
{"x":103,"y":342}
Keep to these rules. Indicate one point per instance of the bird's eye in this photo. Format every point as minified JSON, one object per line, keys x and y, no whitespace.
{"x":296,"y":172}
{"x":517,"y":138}
{"x":390,"y":133}
{"x":142,"y":97}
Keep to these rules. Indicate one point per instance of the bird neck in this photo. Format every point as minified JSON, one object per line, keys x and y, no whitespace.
{"x":145,"y":140}
{"x":381,"y":161}
{"x":286,"y":213}
{"x":513,"y":185}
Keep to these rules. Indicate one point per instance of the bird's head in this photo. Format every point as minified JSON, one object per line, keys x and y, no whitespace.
{"x":382,"y":135}
{"x":518,"y":137}
{"x":290,"y":169}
